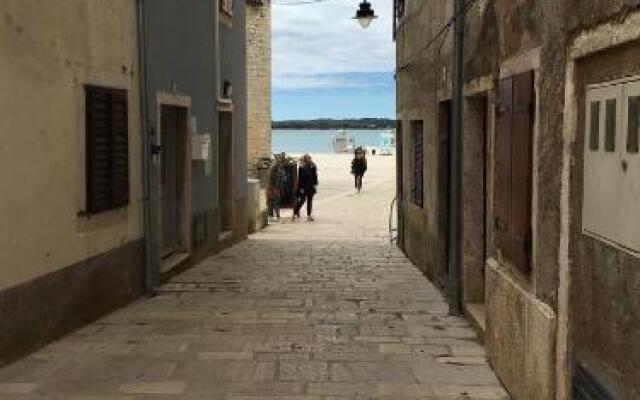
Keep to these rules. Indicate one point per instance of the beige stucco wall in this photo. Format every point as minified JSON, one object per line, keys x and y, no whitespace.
{"x":48,"y":52}
{"x":258,"y":84}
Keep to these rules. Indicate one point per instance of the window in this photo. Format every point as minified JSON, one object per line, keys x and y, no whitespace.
{"x":226,"y":6}
{"x":513,"y":180}
{"x":594,"y":128}
{"x":610,"y":126}
{"x":107,"y":149}
{"x":633,"y":123}
{"x":417,"y":130}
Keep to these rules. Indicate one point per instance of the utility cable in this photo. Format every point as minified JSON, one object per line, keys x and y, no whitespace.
{"x":443,"y":30}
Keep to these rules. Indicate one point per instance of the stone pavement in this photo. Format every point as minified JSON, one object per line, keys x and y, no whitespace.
{"x":307,"y":311}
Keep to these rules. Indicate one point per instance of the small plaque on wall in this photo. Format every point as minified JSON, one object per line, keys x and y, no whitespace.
{"x":200,"y":147}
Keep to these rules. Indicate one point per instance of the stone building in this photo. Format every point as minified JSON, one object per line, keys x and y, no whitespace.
{"x":550,"y":195}
{"x":122,"y":154}
{"x":258,"y":22}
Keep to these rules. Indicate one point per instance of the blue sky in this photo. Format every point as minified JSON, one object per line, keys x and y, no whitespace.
{"x":326,"y":66}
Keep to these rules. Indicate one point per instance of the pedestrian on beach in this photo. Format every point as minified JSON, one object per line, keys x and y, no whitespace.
{"x":359,"y":167}
{"x":277,"y":183}
{"x":306,"y":188}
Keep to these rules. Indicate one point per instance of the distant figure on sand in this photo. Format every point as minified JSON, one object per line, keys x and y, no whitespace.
{"x":306,"y":189}
{"x":359,"y":167}
{"x":277,"y":178}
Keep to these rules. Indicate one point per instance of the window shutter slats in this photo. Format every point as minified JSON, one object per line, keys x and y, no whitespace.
{"x":119,"y":149}
{"x":107,"y":149}
{"x":98,"y":160}
{"x":418,"y":163}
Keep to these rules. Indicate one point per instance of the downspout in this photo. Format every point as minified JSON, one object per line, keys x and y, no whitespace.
{"x":455,"y":203}
{"x":148,"y":272}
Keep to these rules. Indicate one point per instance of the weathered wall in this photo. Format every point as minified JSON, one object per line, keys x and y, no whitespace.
{"x":233,"y":67}
{"x":48,"y":53}
{"x":258,"y":84}
{"x":181,"y":60}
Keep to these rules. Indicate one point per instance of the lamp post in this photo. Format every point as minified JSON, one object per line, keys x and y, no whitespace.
{"x":365,"y":14}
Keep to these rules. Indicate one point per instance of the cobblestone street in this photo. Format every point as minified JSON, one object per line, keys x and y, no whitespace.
{"x":306,"y":311}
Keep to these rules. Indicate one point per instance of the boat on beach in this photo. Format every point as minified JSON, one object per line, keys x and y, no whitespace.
{"x":343,"y":142}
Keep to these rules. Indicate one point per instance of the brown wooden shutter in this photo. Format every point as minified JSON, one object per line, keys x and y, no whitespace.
{"x":107,"y":149}
{"x":119,"y":152}
{"x":502,"y":192}
{"x":418,"y":163}
{"x":399,"y":165}
{"x":513,"y":180}
{"x":521,"y":167}
{"x":97,"y":140}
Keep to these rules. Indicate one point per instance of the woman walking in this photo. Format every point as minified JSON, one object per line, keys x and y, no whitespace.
{"x":306,"y":189}
{"x":359,"y":167}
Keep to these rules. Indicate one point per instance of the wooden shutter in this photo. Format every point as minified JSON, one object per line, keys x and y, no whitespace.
{"x":502,"y":191}
{"x":513,"y":179}
{"x":521,"y":169}
{"x":399,"y":165}
{"x":98,"y":139}
{"x":418,"y":163}
{"x":107,"y":149}
{"x":119,"y":152}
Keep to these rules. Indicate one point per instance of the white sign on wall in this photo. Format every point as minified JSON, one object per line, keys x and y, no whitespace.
{"x":200,"y":147}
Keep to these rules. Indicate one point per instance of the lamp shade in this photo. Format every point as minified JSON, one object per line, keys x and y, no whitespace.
{"x":365,"y":14}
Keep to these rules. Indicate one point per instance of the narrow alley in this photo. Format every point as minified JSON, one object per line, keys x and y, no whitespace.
{"x":304,"y":311}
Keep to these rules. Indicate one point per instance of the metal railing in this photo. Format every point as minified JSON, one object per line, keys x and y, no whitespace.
{"x":393,"y":231}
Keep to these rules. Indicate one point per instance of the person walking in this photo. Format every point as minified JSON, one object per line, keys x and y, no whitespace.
{"x":359,"y":167}
{"x":306,"y":188}
{"x":277,"y":177}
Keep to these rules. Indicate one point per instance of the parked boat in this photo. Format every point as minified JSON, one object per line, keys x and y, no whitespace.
{"x":343,"y":142}
{"x":388,"y":143}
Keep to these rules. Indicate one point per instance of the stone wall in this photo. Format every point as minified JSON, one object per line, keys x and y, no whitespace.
{"x":258,"y":84}
{"x":531,"y":326}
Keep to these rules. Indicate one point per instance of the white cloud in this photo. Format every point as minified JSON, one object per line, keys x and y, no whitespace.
{"x":317,"y":45}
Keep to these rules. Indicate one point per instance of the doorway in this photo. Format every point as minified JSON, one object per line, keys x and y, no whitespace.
{"x":444,"y":161}
{"x":474,"y":201}
{"x":173,"y":181}
{"x":225,"y":171}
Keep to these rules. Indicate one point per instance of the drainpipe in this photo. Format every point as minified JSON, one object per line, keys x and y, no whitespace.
{"x":148,"y":272}
{"x":455,"y":208}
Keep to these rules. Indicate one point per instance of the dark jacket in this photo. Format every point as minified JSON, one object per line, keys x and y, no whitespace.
{"x":307,"y":179}
{"x":359,"y":166}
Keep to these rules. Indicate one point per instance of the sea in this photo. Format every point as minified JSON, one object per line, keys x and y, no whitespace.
{"x":293,"y":141}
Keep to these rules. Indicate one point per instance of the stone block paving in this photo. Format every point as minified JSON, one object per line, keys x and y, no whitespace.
{"x":328,"y":310}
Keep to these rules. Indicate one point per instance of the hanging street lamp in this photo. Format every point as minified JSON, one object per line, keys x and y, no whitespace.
{"x":365,"y":14}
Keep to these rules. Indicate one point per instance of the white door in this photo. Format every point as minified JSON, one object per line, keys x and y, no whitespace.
{"x":630,"y":168}
{"x":611,"y":190}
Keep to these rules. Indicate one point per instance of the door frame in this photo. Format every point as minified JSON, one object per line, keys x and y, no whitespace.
{"x":183,"y":230}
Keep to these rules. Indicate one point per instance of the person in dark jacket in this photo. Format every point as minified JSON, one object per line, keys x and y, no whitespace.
{"x":306,"y":188}
{"x":359,"y":167}
{"x":277,"y":183}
